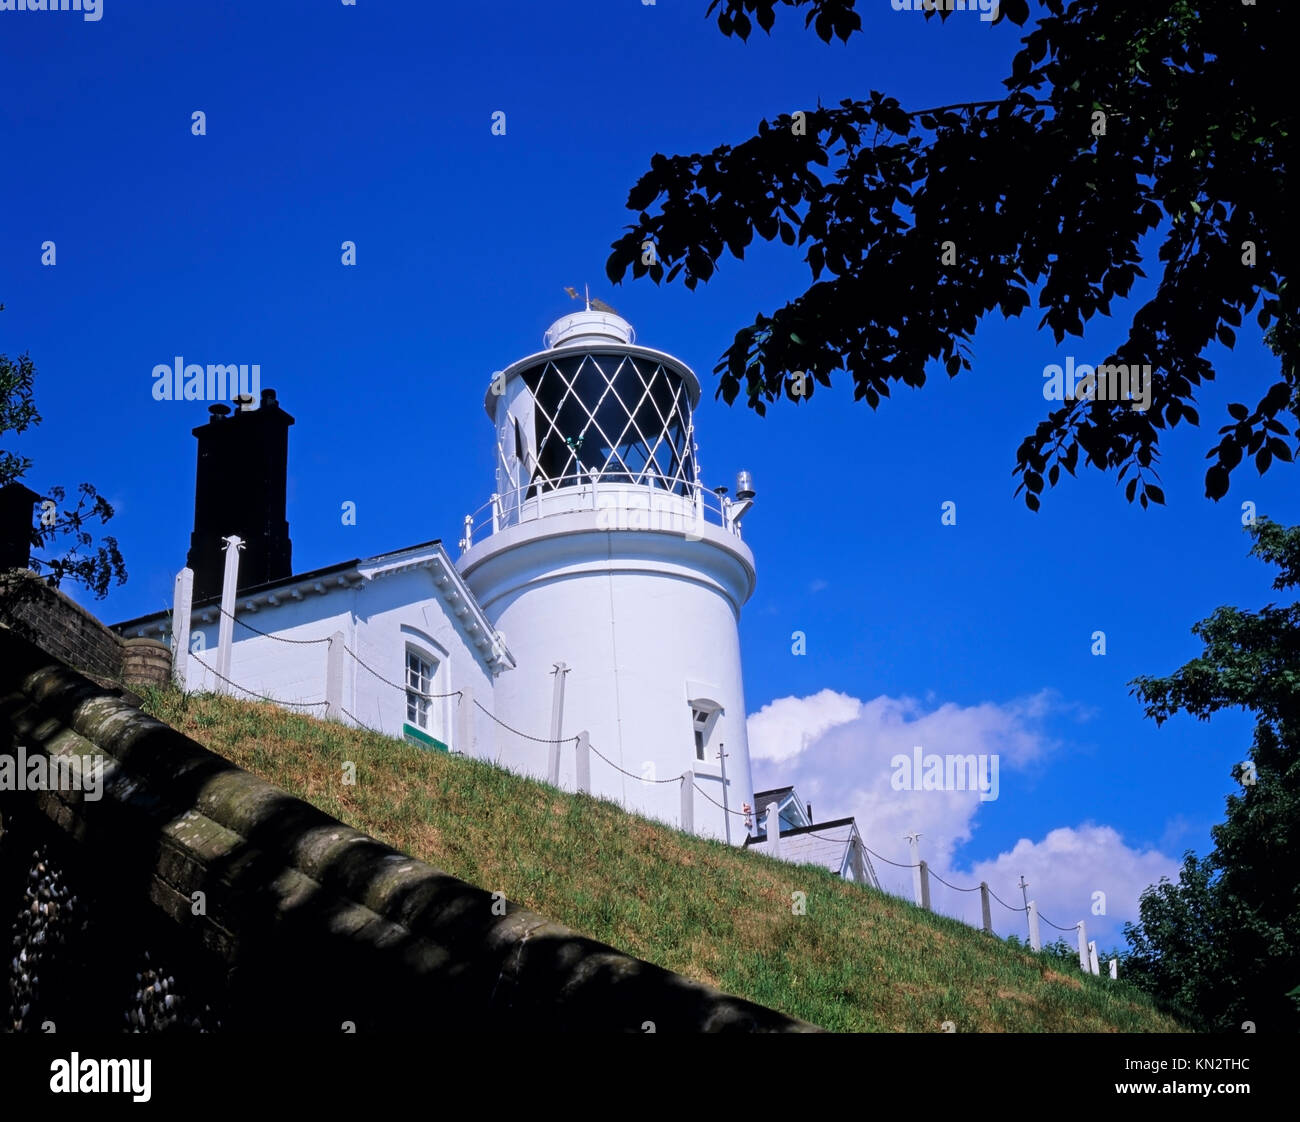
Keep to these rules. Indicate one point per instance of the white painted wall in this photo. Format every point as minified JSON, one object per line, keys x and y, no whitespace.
{"x":637,"y":615}
{"x":400,"y":608}
{"x":378,"y":618}
{"x":284,"y":671}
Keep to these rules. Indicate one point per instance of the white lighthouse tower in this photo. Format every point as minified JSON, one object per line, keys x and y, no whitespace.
{"x":601,"y":558}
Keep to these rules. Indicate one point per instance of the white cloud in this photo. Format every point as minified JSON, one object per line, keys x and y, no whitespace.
{"x":787,"y":726}
{"x":836,"y":750}
{"x":1064,"y":871}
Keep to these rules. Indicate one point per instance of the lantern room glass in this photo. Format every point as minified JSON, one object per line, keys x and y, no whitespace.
{"x":625,"y":417}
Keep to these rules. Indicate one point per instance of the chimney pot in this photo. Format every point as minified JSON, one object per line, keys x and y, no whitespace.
{"x":219,"y":411}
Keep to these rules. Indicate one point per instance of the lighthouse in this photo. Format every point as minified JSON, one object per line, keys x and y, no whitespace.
{"x":616,"y":578}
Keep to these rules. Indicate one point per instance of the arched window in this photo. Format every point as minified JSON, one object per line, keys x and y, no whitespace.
{"x":426,"y":711}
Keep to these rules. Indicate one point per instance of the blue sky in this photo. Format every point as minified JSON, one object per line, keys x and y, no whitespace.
{"x":372,"y":123}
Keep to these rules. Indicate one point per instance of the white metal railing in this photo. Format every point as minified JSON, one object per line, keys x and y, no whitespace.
{"x":628,"y":505}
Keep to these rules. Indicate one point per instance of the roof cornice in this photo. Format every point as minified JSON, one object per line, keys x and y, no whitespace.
{"x":431,"y":556}
{"x":454,"y":591}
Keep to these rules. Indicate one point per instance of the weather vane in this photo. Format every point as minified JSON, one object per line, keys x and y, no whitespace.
{"x":596,"y":305}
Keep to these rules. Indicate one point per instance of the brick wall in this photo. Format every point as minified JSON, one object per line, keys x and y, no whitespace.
{"x":59,"y":626}
{"x":63,"y":628}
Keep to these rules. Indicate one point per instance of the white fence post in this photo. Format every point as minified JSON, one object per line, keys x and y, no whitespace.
{"x":1114,"y":969}
{"x":925,"y":885}
{"x":986,"y":912}
{"x":688,"y":802}
{"x":859,"y":866}
{"x":582,"y":761}
{"x":557,"y":721}
{"x":465,"y":722}
{"x":182,"y":602}
{"x":1082,"y":931}
{"x":334,"y":677}
{"x":226,"y":628}
{"x":916,"y":867}
{"x":773,"y":830}
{"x":1035,"y":935}
{"x":1093,"y":966}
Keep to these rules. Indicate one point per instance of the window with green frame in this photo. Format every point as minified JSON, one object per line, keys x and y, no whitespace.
{"x":421,"y":713}
{"x":422,"y":738}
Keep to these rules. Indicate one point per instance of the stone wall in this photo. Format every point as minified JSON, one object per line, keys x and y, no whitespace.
{"x":146,"y":662}
{"x":269,"y":914}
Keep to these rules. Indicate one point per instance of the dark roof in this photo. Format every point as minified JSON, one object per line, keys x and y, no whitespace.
{"x":404,"y":548}
{"x":805,"y":829}
{"x":774,"y":791}
{"x":296,"y":578}
{"x":252,"y":590}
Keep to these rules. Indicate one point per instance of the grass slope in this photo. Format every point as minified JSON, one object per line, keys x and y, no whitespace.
{"x":858,"y":961}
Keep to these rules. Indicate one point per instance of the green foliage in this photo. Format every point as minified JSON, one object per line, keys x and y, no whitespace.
{"x":1222,"y":946}
{"x":17,"y":411}
{"x":1043,"y":206}
{"x":1062,"y":951}
{"x":81,"y":560}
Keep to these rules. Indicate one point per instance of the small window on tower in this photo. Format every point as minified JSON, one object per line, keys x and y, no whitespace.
{"x":702,"y":720}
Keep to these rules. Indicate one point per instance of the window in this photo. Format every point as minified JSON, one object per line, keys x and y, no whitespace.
{"x":700,"y":720}
{"x":428,"y":691}
{"x":704,"y":715}
{"x":419,"y":685}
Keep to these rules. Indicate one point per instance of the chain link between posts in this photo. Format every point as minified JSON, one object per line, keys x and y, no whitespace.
{"x":1006,"y":905}
{"x":887,"y":861}
{"x":642,"y":778}
{"x":268,"y":635}
{"x":526,"y":736}
{"x":737,"y":813}
{"x":396,"y":685}
{"x":952,"y":886}
{"x":405,"y":688}
{"x":259,"y":696}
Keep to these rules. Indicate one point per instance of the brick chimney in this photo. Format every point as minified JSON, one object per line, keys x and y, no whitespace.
{"x":239,"y":488}
{"x":16,"y":526}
